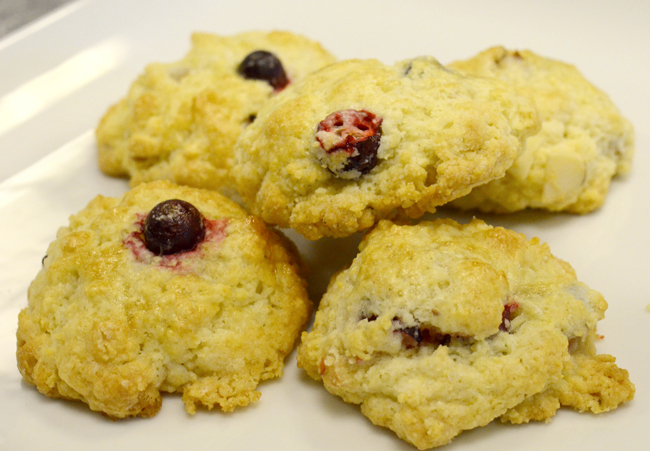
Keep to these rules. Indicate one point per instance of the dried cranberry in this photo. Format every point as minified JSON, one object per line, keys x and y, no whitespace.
{"x":173,"y":226}
{"x":357,"y":133}
{"x":411,"y":336}
{"x":436,"y":338}
{"x":422,"y":335}
{"x":263,"y":65}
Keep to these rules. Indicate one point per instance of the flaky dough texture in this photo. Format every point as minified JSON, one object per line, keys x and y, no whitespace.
{"x":113,"y":325}
{"x":583,"y":143}
{"x":440,"y":327}
{"x":442,"y":133}
{"x":179,"y":121}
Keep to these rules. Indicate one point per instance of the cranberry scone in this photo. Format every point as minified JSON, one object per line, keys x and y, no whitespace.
{"x":584,"y":141}
{"x":180,"y":120}
{"x":167,"y":289}
{"x":360,"y":140}
{"x":440,"y":327}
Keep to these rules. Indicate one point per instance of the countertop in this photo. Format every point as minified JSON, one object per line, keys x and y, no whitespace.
{"x":17,"y":13}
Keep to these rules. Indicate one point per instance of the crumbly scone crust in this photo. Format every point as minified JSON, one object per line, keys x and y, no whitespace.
{"x":506,"y":331}
{"x":584,"y":141}
{"x":113,"y":325}
{"x":180,"y":121}
{"x":442,"y":134}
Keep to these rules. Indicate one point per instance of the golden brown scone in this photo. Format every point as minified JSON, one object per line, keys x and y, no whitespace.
{"x":359,"y":141}
{"x":112,"y":323}
{"x":439,"y":327}
{"x":583,"y":143}
{"x":179,"y":121}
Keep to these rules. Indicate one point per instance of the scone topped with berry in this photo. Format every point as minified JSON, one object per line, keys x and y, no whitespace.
{"x":361,"y":140}
{"x":167,"y":289}
{"x":440,"y":327}
{"x":584,"y":141}
{"x":180,"y":120}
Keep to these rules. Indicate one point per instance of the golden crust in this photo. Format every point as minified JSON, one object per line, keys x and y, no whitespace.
{"x":180,"y":121}
{"x":590,"y":383}
{"x":439,"y":327}
{"x":584,"y":141}
{"x":442,"y":134}
{"x":113,"y":325}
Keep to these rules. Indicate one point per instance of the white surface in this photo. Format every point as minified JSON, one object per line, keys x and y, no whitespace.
{"x":58,"y":76}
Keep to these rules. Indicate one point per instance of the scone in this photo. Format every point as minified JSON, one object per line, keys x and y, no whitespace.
{"x":179,"y":121}
{"x":359,"y":141}
{"x":439,"y":327}
{"x":168,"y":289}
{"x":583,"y":143}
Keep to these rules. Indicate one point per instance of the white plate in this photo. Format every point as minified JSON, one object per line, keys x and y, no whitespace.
{"x":58,"y":76}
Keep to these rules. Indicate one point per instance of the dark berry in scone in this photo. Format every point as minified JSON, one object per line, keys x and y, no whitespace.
{"x":263,"y":65}
{"x":180,"y":120}
{"x":441,"y":327}
{"x":173,"y":226}
{"x":350,"y":140}
{"x":166,"y":289}
{"x":359,"y":141}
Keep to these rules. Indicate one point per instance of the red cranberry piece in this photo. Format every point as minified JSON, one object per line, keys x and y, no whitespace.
{"x":422,"y":335}
{"x":263,"y":65}
{"x":506,"y":315}
{"x":355,"y":132}
{"x":367,"y":157}
{"x":433,"y":337}
{"x":173,"y":226}
{"x":411,"y":336}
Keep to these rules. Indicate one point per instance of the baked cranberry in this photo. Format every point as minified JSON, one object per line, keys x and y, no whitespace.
{"x":508,"y":310}
{"x":263,"y":65}
{"x":356,"y":133}
{"x":411,"y":336}
{"x":436,"y":338}
{"x":173,"y":226}
{"x":422,"y":335}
